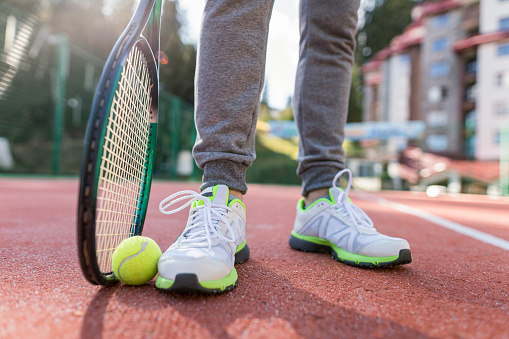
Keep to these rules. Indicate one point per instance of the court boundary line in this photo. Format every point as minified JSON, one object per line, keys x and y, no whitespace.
{"x":437,"y":220}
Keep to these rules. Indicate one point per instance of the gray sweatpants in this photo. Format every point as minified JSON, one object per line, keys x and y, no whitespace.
{"x":230,"y":78}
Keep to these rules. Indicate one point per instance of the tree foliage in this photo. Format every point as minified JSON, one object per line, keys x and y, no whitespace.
{"x":95,"y":25}
{"x":383,"y":20}
{"x":177,"y":76}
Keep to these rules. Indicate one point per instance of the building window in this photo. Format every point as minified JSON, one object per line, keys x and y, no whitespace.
{"x":440,"y":44}
{"x":503,"y":49}
{"x":470,"y":123}
{"x":471,"y":67}
{"x":404,"y":58}
{"x":441,"y":20}
{"x":496,"y":138}
{"x":504,"y":24}
{"x":436,"y":94}
{"x":471,"y":92}
{"x":439,"y":69}
{"x":437,"y":118}
{"x":437,"y":142}
{"x":470,"y":120}
{"x":502,"y":108}
{"x":502,"y":79}
{"x":470,"y":146}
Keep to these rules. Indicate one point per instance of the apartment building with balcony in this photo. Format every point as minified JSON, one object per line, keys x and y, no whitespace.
{"x":449,"y":69}
{"x":454,"y":60}
{"x":441,"y":68}
{"x":392,"y":84}
{"x":493,"y":78}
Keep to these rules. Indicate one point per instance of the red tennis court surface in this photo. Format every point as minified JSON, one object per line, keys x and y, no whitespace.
{"x":457,"y":286}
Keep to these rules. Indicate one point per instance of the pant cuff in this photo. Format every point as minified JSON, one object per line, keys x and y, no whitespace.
{"x":225,"y":172}
{"x":317,"y":177}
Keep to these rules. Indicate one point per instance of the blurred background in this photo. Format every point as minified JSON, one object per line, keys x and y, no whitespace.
{"x":429,"y":104}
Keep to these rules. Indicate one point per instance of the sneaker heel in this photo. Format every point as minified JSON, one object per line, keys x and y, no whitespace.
{"x":306,"y":246}
{"x":242,"y":255}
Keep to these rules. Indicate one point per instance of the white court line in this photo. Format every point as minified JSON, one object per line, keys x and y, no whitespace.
{"x":465,"y":230}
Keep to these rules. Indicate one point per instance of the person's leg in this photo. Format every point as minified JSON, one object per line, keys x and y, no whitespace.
{"x":326,"y":219}
{"x":229,"y":80}
{"x":322,"y":88}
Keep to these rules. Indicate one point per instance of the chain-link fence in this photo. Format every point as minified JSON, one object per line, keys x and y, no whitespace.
{"x":47,"y":85}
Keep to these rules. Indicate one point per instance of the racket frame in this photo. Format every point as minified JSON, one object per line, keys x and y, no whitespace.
{"x":148,"y":10}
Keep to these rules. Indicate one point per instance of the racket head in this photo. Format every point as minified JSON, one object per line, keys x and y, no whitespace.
{"x":118,"y":158}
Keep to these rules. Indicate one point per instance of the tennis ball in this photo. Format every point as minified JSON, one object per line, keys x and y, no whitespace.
{"x":135,"y":260}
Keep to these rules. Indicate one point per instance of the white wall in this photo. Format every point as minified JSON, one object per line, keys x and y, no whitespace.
{"x":489,"y":94}
{"x":398,"y":106}
{"x":399,"y":87}
{"x":491,"y":13}
{"x":489,"y":65}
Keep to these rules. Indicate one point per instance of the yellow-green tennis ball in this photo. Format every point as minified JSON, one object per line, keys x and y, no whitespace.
{"x":135,"y":260}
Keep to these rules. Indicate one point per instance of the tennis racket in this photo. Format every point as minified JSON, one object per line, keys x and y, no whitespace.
{"x":118,"y":156}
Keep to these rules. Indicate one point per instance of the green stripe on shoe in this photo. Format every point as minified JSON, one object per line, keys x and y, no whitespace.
{"x":241,"y":246}
{"x":164,"y":283}
{"x":219,"y":284}
{"x":342,"y":254}
{"x":331,"y":201}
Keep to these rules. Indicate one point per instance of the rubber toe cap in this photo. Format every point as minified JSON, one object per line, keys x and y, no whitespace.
{"x":384,"y":247}
{"x":193,"y":262}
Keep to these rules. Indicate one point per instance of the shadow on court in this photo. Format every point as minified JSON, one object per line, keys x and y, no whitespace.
{"x":264,"y":305}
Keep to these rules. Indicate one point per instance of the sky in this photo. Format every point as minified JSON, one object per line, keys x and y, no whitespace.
{"x":282,"y":48}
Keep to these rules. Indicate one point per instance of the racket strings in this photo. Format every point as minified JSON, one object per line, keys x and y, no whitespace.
{"x":123,"y":163}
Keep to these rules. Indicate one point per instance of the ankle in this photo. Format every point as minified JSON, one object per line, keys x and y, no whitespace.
{"x":237,"y":194}
{"x":315,"y":195}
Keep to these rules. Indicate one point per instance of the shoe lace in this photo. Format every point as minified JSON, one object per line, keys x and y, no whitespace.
{"x":203,"y":224}
{"x":356,"y":215}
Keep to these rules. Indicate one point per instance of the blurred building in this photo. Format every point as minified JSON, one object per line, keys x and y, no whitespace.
{"x":450,"y":69}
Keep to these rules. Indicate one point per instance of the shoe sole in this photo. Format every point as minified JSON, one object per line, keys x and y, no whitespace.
{"x":188,"y":283}
{"x":319,"y":245}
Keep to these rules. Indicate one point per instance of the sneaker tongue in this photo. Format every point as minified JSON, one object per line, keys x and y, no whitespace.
{"x":334,"y":192}
{"x":219,"y":196}
{"x":218,"y":193}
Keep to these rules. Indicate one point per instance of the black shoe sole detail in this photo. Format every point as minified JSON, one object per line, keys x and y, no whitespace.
{"x":405,"y":256}
{"x":187,"y":283}
{"x":242,"y":255}
{"x":306,"y":246}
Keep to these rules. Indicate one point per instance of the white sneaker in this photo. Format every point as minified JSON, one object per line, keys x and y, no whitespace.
{"x":203,"y":256}
{"x":337,"y":226}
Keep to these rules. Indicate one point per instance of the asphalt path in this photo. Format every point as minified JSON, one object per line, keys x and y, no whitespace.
{"x":457,"y":285}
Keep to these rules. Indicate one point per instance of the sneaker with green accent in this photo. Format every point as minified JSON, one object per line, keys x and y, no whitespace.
{"x":335,"y":225}
{"x":203,"y":256}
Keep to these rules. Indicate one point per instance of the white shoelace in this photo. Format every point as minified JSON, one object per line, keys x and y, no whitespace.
{"x":204,"y":223}
{"x":358,"y":217}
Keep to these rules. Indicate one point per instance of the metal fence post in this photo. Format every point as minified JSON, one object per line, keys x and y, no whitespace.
{"x":59,"y":100}
{"x":195,"y":173}
{"x":175,"y":136}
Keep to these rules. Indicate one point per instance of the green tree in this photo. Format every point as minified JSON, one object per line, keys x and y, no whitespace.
{"x":287,"y":113}
{"x":95,"y":25}
{"x":356,"y":97}
{"x":383,"y":20}
{"x":177,"y":76}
